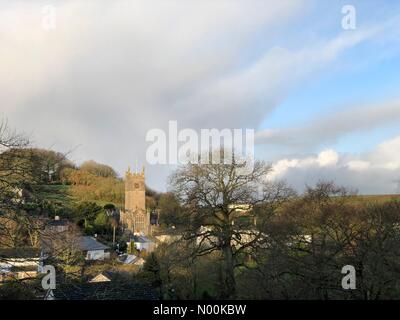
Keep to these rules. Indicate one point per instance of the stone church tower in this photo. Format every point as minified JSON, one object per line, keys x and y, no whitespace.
{"x":135,"y":217}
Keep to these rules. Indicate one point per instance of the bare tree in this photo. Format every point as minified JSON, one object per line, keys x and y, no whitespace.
{"x":220,"y":203}
{"x":13,"y":168}
{"x":315,"y":235}
{"x":20,"y":226}
{"x":14,"y":173}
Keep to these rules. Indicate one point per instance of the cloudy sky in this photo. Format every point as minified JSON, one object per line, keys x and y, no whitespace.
{"x":93,"y":76}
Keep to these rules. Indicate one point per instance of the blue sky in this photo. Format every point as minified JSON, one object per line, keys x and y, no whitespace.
{"x":365,"y":74}
{"x":335,"y":91}
{"x":323,"y":101}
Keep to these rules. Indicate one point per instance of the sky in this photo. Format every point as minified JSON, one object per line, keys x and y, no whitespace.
{"x":92,"y":77}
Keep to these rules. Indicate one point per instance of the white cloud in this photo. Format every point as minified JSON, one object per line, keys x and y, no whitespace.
{"x":387,"y":155}
{"x":358,"y":165}
{"x":110,"y":71}
{"x":371,"y":172}
{"x":328,"y":158}
{"x":329,"y":128}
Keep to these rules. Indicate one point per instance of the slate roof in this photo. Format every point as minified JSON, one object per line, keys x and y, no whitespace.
{"x":56,"y":223}
{"x":104,"y":276}
{"x":141,"y":239}
{"x":121,"y":290}
{"x":129,"y":259}
{"x":87,"y":243}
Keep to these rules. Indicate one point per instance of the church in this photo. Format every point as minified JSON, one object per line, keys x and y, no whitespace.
{"x":135,"y":218}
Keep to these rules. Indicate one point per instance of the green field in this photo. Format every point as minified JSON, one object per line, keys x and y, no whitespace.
{"x":60,"y":194}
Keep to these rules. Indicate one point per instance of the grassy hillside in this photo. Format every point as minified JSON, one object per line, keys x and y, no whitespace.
{"x":60,"y":196}
{"x":376,"y":198}
{"x":55,"y":193}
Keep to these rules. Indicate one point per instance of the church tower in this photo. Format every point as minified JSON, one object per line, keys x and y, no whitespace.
{"x":135,"y":216}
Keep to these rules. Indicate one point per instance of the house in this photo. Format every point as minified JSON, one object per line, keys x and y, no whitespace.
{"x":142,"y":242}
{"x":57,"y":225}
{"x":101,"y":277}
{"x":131,"y":259}
{"x":93,"y":249}
{"x":54,"y":243}
{"x":104,"y":286}
{"x":19,"y":263}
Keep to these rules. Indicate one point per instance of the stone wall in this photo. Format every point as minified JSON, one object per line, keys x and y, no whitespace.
{"x":135,"y":216}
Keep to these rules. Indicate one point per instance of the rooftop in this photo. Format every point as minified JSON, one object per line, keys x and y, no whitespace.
{"x":141,"y":239}
{"x":56,"y":223}
{"x":106,"y":291}
{"x":87,"y":243}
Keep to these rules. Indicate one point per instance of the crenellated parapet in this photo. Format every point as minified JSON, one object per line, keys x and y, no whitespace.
{"x":135,"y":217}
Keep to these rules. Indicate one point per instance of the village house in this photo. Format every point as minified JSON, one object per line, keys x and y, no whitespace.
{"x":54,"y":244}
{"x":93,"y":249}
{"x":104,"y":286}
{"x":19,"y":263}
{"x":58,"y":225}
{"x":131,"y":259}
{"x":101,"y":277}
{"x":142,"y":242}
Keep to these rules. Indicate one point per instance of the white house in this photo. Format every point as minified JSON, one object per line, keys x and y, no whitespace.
{"x":143,"y":243}
{"x":19,"y":263}
{"x":131,"y":259}
{"x":94,"y":250}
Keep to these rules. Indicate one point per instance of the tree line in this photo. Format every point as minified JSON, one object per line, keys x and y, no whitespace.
{"x":232,"y":235}
{"x":244,"y":236}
